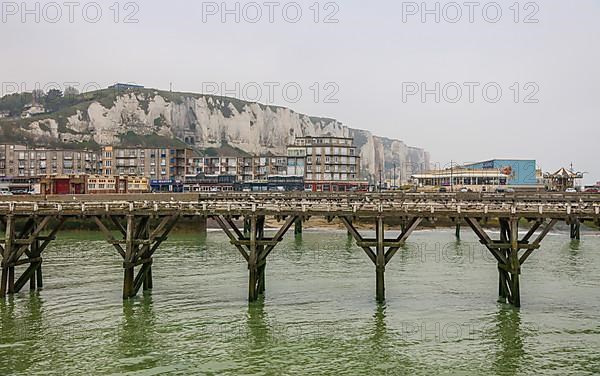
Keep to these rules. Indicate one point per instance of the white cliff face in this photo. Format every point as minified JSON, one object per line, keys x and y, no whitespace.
{"x":206,"y":121}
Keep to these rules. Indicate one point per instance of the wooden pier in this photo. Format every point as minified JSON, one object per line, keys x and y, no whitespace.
{"x":143,"y":223}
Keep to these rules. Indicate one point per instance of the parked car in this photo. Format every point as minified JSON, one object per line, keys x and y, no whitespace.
{"x":504,"y":190}
{"x":21,"y":192}
{"x":5,"y":192}
{"x":571,"y":190}
{"x":443,"y":190}
{"x":592,"y":190}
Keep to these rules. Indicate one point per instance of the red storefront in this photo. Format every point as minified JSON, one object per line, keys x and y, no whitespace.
{"x":63,"y":185}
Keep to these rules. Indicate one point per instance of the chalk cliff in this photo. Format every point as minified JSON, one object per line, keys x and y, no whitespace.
{"x":108,"y":117}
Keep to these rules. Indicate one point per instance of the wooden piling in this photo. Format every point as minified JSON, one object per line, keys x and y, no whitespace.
{"x":7,"y":271}
{"x":504,"y":279}
{"x":128,"y":275}
{"x":253,"y":260}
{"x":261,"y":262}
{"x":203,"y":226}
{"x":298,"y":227}
{"x":380,"y":260}
{"x":247,"y":226}
{"x":514,"y":264}
{"x":576,"y":229}
{"x":35,"y":246}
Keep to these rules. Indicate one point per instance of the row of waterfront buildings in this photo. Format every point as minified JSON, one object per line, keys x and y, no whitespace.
{"x":312,"y":163}
{"x":320,"y":164}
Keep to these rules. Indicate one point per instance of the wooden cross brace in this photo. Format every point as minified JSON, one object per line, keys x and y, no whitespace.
{"x":393,"y":245}
{"x":140,"y":245}
{"x":506,"y":252}
{"x":25,"y":242}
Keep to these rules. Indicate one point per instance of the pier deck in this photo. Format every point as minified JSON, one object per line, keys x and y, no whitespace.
{"x":143,"y":223}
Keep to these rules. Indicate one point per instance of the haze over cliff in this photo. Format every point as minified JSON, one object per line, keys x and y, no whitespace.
{"x":108,"y":117}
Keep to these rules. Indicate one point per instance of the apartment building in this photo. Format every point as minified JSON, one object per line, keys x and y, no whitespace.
{"x":327,"y":163}
{"x":269,"y":165}
{"x":20,"y":161}
{"x":154,"y":163}
{"x":245,"y":170}
{"x":296,"y":158}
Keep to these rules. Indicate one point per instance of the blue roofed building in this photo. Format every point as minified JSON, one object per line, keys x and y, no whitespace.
{"x":522,"y":173}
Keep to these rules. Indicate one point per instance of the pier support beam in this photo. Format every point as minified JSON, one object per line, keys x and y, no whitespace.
{"x":506,"y":252}
{"x":254,"y":247}
{"x":247,"y":227}
{"x":141,"y":242}
{"x":380,"y":260}
{"x":376,"y":248}
{"x":27,"y":242}
{"x":298,"y":227}
{"x":457,"y":233}
{"x":203,"y":226}
{"x":576,"y":229}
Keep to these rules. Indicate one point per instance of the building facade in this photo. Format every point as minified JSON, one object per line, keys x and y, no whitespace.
{"x":20,"y":161}
{"x":154,"y":163}
{"x":328,"y":163}
{"x":488,"y":176}
{"x":455,"y":179}
{"x":324,"y":163}
{"x":522,"y":173}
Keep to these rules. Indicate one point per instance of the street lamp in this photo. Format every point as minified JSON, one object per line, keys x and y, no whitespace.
{"x":452,"y":176}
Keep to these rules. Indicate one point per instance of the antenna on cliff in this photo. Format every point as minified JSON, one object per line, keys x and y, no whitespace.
{"x":171,"y":87}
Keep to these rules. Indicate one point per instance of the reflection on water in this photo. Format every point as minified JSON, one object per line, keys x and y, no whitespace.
{"x":138,"y":326}
{"x":575,"y":245}
{"x":259,"y":332}
{"x":21,"y":327}
{"x":509,"y":341}
{"x":380,"y":329}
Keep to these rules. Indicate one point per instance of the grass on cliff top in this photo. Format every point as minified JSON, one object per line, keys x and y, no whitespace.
{"x":108,"y":97}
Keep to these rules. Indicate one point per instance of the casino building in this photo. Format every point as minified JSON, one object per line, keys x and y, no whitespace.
{"x":487,"y":176}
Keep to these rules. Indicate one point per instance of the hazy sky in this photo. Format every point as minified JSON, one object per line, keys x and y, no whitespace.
{"x":372,"y":58}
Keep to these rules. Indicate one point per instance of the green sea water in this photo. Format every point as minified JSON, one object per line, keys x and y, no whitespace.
{"x":318,"y":317}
